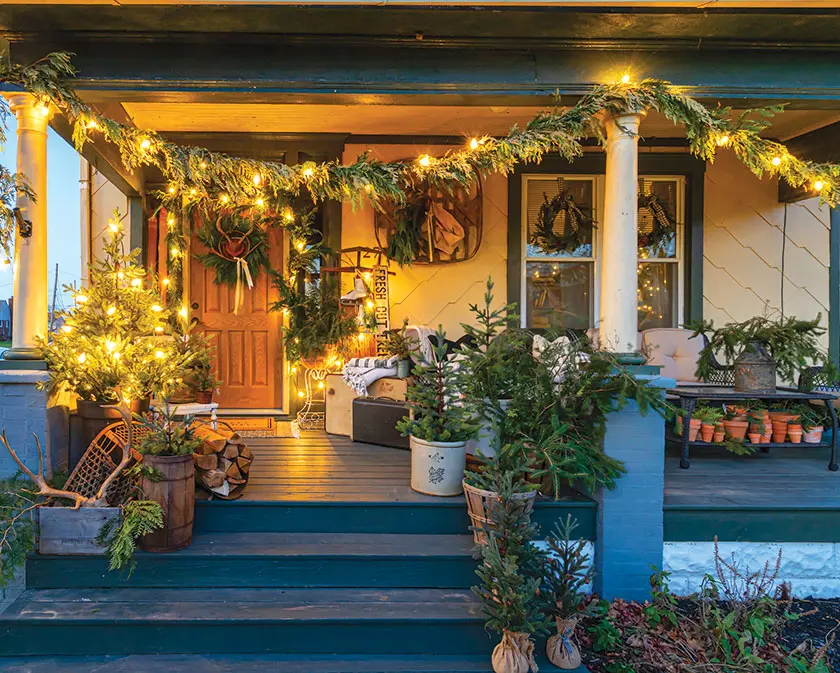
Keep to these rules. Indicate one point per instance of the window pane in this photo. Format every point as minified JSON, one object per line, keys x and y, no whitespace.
{"x":560,"y":216}
{"x":658,"y":295}
{"x":558,"y":295}
{"x":657,"y":218}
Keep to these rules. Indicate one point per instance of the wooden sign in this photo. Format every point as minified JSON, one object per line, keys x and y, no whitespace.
{"x":382,"y":307}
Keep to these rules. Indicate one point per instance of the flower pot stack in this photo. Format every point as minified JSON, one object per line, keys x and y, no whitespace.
{"x":786,"y":426}
{"x":736,"y":424}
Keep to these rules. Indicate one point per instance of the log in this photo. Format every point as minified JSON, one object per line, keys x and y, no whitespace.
{"x":216,"y":438}
{"x":231,"y":451}
{"x":212,"y":478}
{"x":210,"y":462}
{"x":233,"y":472}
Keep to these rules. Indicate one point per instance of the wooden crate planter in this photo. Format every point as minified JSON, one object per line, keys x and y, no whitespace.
{"x":70,"y":532}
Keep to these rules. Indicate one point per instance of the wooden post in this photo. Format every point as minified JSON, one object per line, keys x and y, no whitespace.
{"x":619,"y":322}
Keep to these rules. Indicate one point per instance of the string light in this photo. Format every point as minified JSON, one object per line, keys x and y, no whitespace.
{"x":361,"y":336}
{"x":625,"y":78}
{"x":425,"y":161}
{"x":320,"y":385}
{"x":171,"y":189}
{"x":92,"y":124}
{"x":294,"y":370}
{"x":120,"y":275}
{"x":170,"y":221}
{"x":160,"y":355}
{"x":203,"y":165}
{"x":257,"y":179}
{"x":136,"y":282}
{"x":44,"y":109}
{"x":165,"y":282}
{"x":157,"y":308}
{"x":81,"y":359}
{"x":474,"y":144}
{"x":174,"y":252}
{"x":818,"y":185}
{"x":117,"y":355}
{"x":111,"y":310}
{"x":288,"y":214}
{"x":300,"y":393}
{"x":81,"y":298}
{"x":224,"y":198}
{"x":308,"y":172}
{"x":260,"y":202}
{"x":66,"y":329}
{"x":366,"y":275}
{"x":193,"y":191}
{"x":145,"y":144}
{"x":370,"y":304}
{"x":114,"y":227}
{"x":110,"y":346}
{"x":723,"y":140}
{"x":159,"y":329}
{"x":776,"y":161}
{"x":183,"y":312}
{"x":300,"y":246}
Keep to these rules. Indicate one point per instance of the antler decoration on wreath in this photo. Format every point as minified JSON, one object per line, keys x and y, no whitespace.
{"x":80,"y":501}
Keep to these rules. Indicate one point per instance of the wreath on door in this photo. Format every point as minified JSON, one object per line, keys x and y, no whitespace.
{"x":237,"y":250}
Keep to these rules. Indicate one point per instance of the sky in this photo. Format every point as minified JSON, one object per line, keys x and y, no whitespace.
{"x":63,"y":210}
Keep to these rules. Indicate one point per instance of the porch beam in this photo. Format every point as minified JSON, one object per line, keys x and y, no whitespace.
{"x":821,"y":145}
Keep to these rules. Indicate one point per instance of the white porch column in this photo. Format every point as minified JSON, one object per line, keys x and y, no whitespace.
{"x":619,"y":272}
{"x":30,"y":281}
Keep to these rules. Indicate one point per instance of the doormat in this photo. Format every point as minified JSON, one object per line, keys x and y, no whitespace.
{"x":261,"y":426}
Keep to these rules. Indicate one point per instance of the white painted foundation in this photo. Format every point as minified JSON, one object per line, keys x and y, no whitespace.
{"x":811,"y":568}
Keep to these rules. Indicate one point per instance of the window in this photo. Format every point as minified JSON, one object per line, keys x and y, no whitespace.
{"x":561,"y":241}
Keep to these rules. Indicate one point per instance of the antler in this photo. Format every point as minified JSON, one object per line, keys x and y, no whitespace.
{"x":126,"y":456}
{"x":40,"y":481}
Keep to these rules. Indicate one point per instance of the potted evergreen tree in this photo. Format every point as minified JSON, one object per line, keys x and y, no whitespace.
{"x":439,"y":426}
{"x":113,"y":344}
{"x":397,"y":343}
{"x":511,"y":572}
{"x":167,"y":450}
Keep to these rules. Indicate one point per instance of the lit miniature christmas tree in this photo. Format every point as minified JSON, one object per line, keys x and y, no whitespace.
{"x":115,"y":341}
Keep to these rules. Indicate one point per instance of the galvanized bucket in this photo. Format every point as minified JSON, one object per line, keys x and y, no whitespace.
{"x":755,"y":370}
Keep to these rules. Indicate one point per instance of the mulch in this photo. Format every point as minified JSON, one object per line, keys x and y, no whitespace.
{"x":818,"y":620}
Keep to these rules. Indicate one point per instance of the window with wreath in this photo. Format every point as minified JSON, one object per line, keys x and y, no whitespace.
{"x":561,"y":242}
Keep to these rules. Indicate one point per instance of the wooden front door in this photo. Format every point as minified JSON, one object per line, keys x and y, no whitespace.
{"x":249,"y":355}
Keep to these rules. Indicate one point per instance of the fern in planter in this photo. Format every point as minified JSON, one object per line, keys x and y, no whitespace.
{"x":433,"y":397}
{"x":138,"y":518}
{"x":793,"y":343}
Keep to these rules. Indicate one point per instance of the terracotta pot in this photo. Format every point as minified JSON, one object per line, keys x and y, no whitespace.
{"x":755,"y":438}
{"x":766,"y":438}
{"x":736,"y":430}
{"x":783,"y":416}
{"x":204,"y":396}
{"x":795,"y":436}
{"x":719,"y":436}
{"x":693,"y":429}
{"x":707,"y":432}
{"x":780,"y":430}
{"x":813,"y":434}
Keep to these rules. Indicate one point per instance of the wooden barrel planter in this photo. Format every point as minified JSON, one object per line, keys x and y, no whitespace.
{"x":176,"y":494}
{"x":479,"y":507}
{"x":91,"y":419}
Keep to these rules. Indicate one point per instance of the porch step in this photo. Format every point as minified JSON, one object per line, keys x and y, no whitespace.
{"x":441,"y":516}
{"x":245,"y":663}
{"x":241,"y":621}
{"x":252,"y":560}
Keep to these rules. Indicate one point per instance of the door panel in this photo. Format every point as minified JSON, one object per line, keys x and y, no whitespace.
{"x":249,"y":356}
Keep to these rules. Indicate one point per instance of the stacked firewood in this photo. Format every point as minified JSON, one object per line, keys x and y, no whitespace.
{"x":222,"y":463}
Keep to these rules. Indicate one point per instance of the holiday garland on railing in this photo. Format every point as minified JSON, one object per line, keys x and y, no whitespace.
{"x":198,"y":175}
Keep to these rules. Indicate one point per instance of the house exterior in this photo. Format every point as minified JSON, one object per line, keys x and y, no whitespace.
{"x":314,"y":81}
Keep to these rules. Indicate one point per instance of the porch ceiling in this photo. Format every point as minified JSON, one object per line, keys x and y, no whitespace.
{"x":410,"y":120}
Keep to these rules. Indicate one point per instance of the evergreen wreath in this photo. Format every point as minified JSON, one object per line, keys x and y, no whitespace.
{"x":229,"y":237}
{"x":578,"y":232}
{"x":663,"y":231}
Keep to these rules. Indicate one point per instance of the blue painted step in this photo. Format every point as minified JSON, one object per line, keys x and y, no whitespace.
{"x":445,"y":516}
{"x":244,"y":663}
{"x":277,"y":560}
{"x":242,"y":621}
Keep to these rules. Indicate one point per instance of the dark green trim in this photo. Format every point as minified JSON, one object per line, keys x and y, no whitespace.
{"x":751,"y":524}
{"x":9,"y":362}
{"x":649,"y":164}
{"x":136,"y":223}
{"x":834,"y":286}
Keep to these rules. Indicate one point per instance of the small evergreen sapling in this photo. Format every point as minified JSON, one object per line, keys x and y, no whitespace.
{"x":440,"y":415}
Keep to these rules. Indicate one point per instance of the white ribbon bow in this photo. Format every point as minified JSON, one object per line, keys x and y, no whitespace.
{"x":242,"y":271}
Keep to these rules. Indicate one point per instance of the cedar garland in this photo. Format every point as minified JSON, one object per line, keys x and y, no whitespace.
{"x":199,"y":175}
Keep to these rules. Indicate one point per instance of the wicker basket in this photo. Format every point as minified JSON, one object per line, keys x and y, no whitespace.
{"x":478,"y":507}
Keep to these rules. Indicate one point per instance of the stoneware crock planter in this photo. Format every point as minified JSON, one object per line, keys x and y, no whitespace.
{"x":486,"y":440}
{"x":176,"y":494}
{"x":736,"y":430}
{"x":561,"y":649}
{"x":813,"y":435}
{"x":437,"y":468}
{"x":707,"y":432}
{"x":68,"y":531}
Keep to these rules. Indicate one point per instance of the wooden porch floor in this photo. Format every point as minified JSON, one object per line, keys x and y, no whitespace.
{"x":786,"y":477}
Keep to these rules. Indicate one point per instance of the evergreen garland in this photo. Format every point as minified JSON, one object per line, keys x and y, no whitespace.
{"x":199,"y":175}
